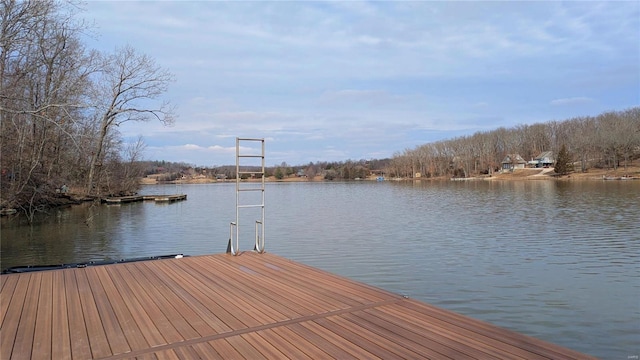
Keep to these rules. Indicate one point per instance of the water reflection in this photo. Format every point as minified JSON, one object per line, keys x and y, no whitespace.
{"x":556,"y":260}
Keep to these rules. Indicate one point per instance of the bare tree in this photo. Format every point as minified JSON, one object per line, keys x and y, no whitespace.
{"x":44,"y":70}
{"x":311,"y":171}
{"x":128,"y":84}
{"x":629,"y":134}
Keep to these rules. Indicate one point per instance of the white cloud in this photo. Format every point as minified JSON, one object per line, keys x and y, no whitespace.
{"x":571,"y":101}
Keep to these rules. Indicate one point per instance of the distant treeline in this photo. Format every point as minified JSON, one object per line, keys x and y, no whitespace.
{"x":609,"y":140}
{"x":337,"y":170}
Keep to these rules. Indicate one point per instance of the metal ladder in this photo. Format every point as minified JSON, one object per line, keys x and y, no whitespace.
{"x":241,"y":169}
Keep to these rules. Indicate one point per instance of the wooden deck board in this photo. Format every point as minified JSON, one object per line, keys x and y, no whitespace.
{"x":250,"y":306}
{"x":295,"y":281}
{"x":449,"y":336}
{"x":11,"y":320}
{"x":138,"y":310}
{"x":42,"y":333}
{"x":214,"y":309}
{"x":225,"y":349}
{"x":26,"y":329}
{"x":180,"y":315}
{"x":123,"y":324}
{"x":364,"y":338}
{"x":8,"y":286}
{"x":60,"y":342}
{"x":78,"y":335}
{"x":268,"y":289}
{"x":206,"y":351}
{"x":267,"y":349}
{"x":314,"y":349}
{"x":532,"y":346}
{"x":101,"y":286}
{"x":334,"y":286}
{"x":98,"y":341}
{"x":416,"y":341}
{"x":167,"y":332}
{"x":338,"y":341}
{"x":235,"y":292}
{"x":279,"y":340}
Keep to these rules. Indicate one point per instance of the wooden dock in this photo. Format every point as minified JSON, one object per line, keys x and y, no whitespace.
{"x":136,"y":198}
{"x":251,"y":306}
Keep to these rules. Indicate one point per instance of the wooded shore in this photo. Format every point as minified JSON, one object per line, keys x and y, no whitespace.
{"x":631,"y":172}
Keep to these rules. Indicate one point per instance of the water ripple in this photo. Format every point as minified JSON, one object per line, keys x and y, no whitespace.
{"x":558,"y":261}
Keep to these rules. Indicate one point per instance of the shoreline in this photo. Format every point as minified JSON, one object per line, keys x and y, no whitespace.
{"x":546,"y":174}
{"x":631,"y":173}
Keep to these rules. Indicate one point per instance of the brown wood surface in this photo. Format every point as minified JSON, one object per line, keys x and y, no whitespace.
{"x":251,"y":306}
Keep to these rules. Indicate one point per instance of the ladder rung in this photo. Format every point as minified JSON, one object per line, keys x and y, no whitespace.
{"x":250,"y":206}
{"x":250,"y":139}
{"x":252,"y":189}
{"x":250,"y":172}
{"x":251,"y":156}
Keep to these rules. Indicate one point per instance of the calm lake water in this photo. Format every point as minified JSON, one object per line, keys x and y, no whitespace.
{"x":555,"y":260}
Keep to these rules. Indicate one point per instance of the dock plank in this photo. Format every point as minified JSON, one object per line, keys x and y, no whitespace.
{"x":333,"y":351}
{"x":233,"y":293}
{"x":225,"y":349}
{"x":532,"y":346}
{"x":245,"y":348}
{"x":447,"y":336}
{"x":471,"y":343}
{"x":313,"y":350}
{"x":138,"y":310}
{"x":42,"y":336}
{"x":101,"y":286}
{"x":201,"y":298}
{"x":267,"y":349}
{"x":123,"y":316}
{"x":60,"y":341}
{"x":206,"y":351}
{"x":284,"y":345}
{"x":293,"y":293}
{"x":98,"y":341}
{"x":337,"y":341}
{"x":22,"y":348}
{"x":251,"y":306}
{"x":187,"y":322}
{"x":283,"y":307}
{"x":8,"y":285}
{"x":359,"y":337}
{"x":335,"y":287}
{"x":166,"y":331}
{"x":162,"y":355}
{"x":14,"y":299}
{"x":414,"y":339}
{"x":80,"y":348}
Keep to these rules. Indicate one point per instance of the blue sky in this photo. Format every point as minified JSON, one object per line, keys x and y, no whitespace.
{"x":339,"y":80}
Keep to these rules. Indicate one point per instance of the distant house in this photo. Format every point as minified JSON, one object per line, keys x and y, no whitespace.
{"x":512,"y":162}
{"x":545,"y":159}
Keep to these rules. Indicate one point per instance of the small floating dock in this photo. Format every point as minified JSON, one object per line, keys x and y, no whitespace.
{"x":249,"y":306}
{"x":135,"y":198}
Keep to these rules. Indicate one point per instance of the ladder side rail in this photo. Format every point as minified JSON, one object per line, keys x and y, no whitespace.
{"x":260,"y":240}
{"x":237,"y":195}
